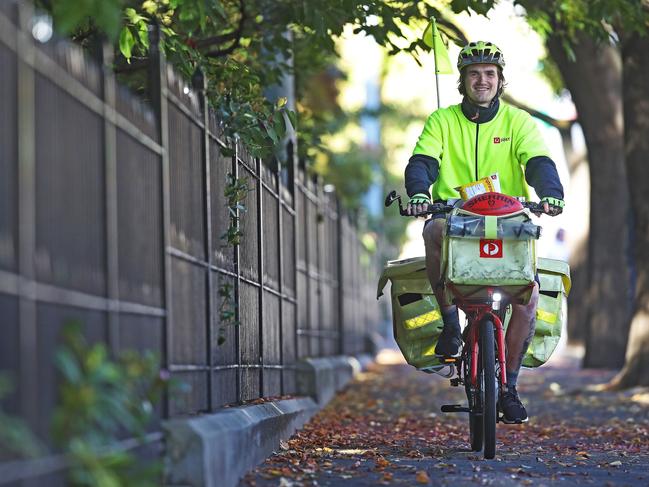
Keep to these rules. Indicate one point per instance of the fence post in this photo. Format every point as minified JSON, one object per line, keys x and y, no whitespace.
{"x":237,"y":287}
{"x":280,"y":273}
{"x":341,"y":279}
{"x":158,"y":92}
{"x":25,"y":81}
{"x":199,"y":83}
{"x":305,"y":202}
{"x":110,"y":175}
{"x":260,"y":267}
{"x":292,"y":174}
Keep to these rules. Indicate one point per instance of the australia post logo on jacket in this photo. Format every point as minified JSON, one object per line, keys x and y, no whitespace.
{"x":500,"y":140}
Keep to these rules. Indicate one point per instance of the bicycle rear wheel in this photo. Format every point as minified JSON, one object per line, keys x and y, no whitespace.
{"x":489,"y":411}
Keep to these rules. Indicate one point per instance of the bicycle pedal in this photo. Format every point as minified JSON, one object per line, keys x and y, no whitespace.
{"x":455,"y":382}
{"x":454,"y":408}
{"x":447,"y":360}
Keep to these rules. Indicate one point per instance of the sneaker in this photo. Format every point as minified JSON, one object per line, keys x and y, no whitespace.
{"x":512,"y":407}
{"x":449,"y":343}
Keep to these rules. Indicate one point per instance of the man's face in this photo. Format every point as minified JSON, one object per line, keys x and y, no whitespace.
{"x":481,"y":83}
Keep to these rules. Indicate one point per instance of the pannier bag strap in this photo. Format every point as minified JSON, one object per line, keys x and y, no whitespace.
{"x":491,"y":227}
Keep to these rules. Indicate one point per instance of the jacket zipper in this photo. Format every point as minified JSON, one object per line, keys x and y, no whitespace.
{"x":477,"y":130}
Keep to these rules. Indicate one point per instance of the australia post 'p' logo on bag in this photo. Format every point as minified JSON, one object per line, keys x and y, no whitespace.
{"x":491,"y":249}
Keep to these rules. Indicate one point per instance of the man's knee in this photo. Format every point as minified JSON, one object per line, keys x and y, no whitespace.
{"x":433,"y":232}
{"x":529,"y":310}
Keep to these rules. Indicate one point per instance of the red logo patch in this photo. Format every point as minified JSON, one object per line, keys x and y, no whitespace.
{"x":496,"y":140}
{"x":491,"y":249}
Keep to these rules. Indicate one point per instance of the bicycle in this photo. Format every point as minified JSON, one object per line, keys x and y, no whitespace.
{"x":481,"y":365}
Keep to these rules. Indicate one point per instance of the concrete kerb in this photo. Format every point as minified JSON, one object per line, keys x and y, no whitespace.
{"x":218,"y":449}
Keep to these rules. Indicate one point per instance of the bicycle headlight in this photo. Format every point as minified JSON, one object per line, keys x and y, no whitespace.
{"x":496,"y":298}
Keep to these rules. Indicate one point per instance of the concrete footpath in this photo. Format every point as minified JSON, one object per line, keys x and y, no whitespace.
{"x":385,"y":427}
{"x":215,"y":450}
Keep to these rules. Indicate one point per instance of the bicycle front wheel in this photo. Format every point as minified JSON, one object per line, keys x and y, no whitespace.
{"x":475,"y":399}
{"x":489,"y":411}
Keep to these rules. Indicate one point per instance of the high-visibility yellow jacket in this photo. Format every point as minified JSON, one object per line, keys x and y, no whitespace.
{"x":459,"y":151}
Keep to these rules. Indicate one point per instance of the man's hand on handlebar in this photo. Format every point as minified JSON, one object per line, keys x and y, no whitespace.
{"x":552,"y":206}
{"x":418,"y":205}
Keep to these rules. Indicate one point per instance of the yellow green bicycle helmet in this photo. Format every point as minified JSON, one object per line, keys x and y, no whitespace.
{"x":480,"y":53}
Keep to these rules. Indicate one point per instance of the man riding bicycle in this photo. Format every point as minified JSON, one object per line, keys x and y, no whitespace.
{"x":466,"y":142}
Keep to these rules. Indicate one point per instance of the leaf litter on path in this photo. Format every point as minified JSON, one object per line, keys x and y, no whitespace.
{"x":387,"y":429}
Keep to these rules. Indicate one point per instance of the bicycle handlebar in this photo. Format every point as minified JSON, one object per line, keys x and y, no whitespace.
{"x":437,"y":208}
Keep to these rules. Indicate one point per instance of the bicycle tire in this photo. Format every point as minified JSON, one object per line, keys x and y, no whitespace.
{"x":489,"y":410}
{"x":474,"y":397}
{"x":475,"y":431}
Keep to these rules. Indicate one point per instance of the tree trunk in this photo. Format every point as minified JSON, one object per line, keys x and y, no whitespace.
{"x":635,"y":55}
{"x":595,"y":83}
{"x":579,"y":191}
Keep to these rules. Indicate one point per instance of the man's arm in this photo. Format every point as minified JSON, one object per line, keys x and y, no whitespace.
{"x":421,"y":172}
{"x":541,"y":173}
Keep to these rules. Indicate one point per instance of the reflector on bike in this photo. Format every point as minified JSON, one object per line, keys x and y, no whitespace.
{"x":417,"y":323}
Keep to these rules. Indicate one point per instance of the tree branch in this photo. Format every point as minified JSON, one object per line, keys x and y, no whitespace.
{"x":451,"y":28}
{"x":234,"y":36}
{"x":561,"y":125}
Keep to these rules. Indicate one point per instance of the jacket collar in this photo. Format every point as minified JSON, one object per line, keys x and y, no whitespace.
{"x":478,"y":114}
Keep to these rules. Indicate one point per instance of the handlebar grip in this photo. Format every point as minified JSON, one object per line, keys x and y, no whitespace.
{"x":433,"y":208}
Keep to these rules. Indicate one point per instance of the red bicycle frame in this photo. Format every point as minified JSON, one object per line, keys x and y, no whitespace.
{"x":476,"y":313}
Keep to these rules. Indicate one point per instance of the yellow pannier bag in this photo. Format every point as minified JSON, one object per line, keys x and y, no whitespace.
{"x":554,"y":276}
{"x":416,"y":318}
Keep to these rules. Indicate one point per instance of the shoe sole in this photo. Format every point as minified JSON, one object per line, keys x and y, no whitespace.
{"x":507,"y":421}
{"x":448,"y":356}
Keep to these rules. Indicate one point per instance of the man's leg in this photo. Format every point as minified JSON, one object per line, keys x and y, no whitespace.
{"x":450,"y":341}
{"x":519,"y":336}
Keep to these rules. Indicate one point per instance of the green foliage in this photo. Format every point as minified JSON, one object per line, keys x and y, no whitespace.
{"x":393,"y":225}
{"x":477,"y":6}
{"x":235,"y":193}
{"x":75,"y":15}
{"x":16,"y":439}
{"x":552,"y":74}
{"x":227,"y":310}
{"x":351,"y":172}
{"x":99,"y":398}
{"x":604,"y":20}
{"x":243,"y":47}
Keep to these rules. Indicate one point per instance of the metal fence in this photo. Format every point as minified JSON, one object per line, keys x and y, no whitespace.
{"x":112,"y":212}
